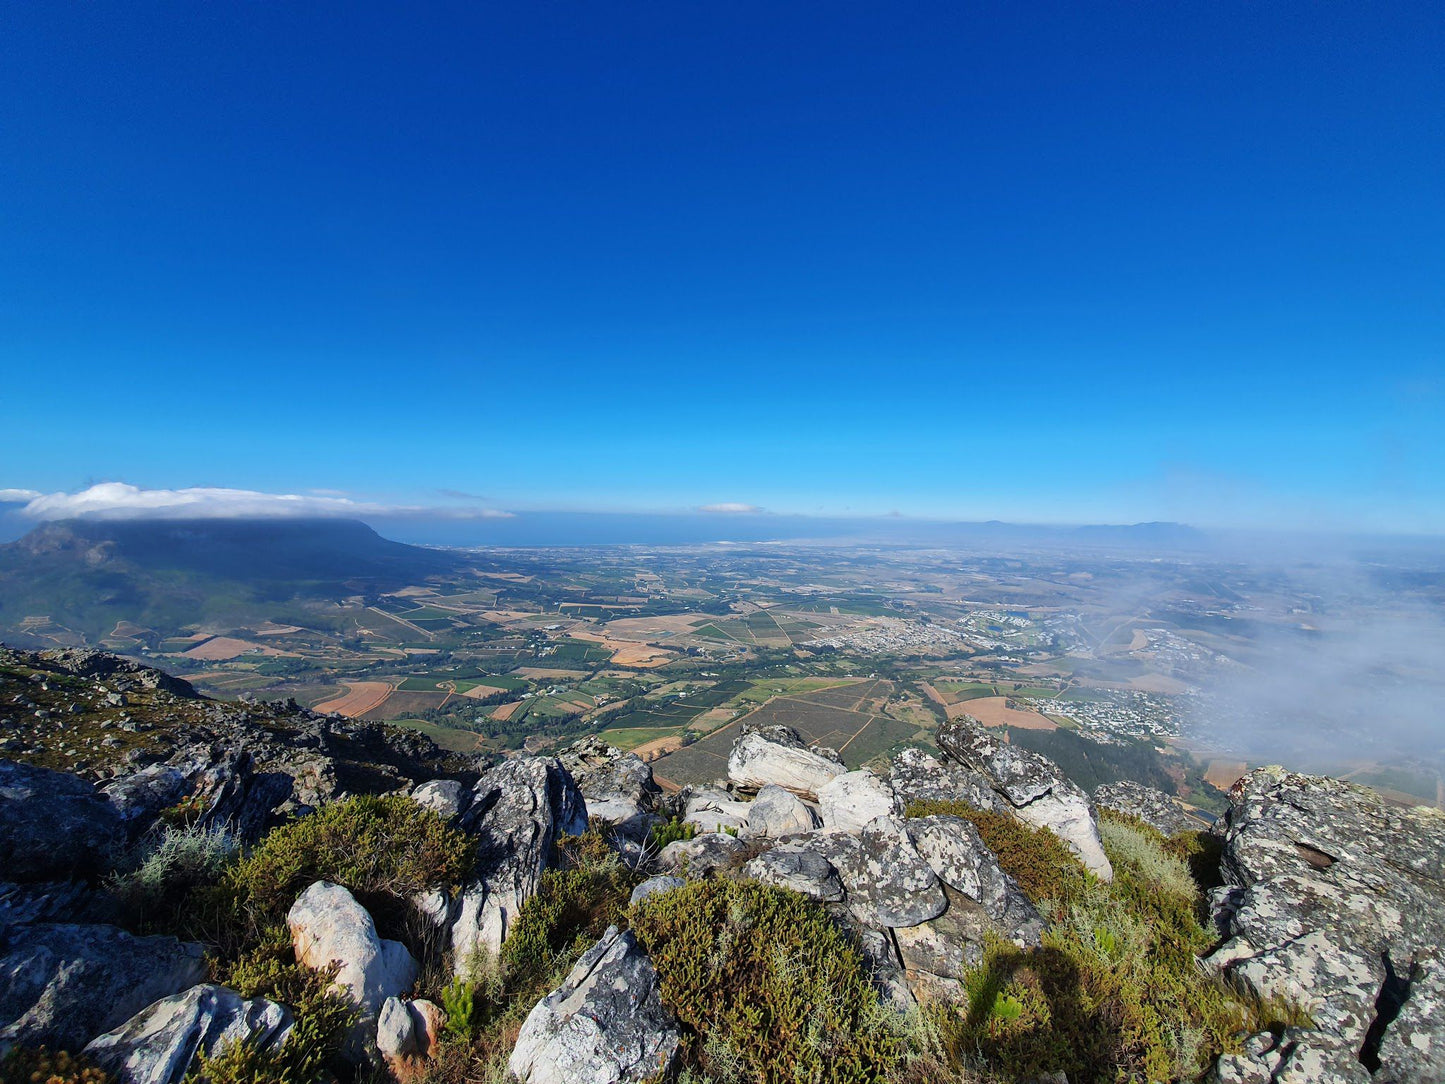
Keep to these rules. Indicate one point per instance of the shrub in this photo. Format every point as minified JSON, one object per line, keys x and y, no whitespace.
{"x":1036,"y":858}
{"x":670,"y":831}
{"x":168,"y":868}
{"x":766,"y":985}
{"x":323,"y":1017}
{"x":24,"y":1065}
{"x":383,"y":849}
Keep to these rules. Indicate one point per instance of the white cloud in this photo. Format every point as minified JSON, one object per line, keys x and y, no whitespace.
{"x":731,"y":508}
{"x":117,"y":500}
{"x":17,"y":496}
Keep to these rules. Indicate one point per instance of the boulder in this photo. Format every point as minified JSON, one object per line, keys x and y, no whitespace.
{"x":1160,"y":811}
{"x":776,"y":754}
{"x":53,"y":825}
{"x":428,"y":1019}
{"x":885,"y":881}
{"x":140,"y":796}
{"x":518,"y":810}
{"x":54,"y":901}
{"x":654,"y":886}
{"x":919,"y":776}
{"x":329,"y":927}
{"x":158,"y":1044}
{"x":1292,"y":1057}
{"x":605,"y":1024}
{"x":956,"y":852}
{"x":715,"y":810}
{"x":799,"y":869}
{"x":62,"y":985}
{"x":1033,"y":787}
{"x":1336,"y":900}
{"x":396,"y":1030}
{"x":702,"y":855}
{"x":777,"y":813}
{"x":444,"y":797}
{"x":610,"y":779}
{"x":849,"y":801}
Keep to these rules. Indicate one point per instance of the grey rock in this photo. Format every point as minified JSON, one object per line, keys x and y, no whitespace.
{"x":1294,"y":1057}
{"x":776,"y":754}
{"x":608,"y":777}
{"x":396,"y":1029}
{"x":1034,"y":788}
{"x":850,"y":801}
{"x":444,"y":797}
{"x":799,"y":869}
{"x":53,"y":901}
{"x":1155,"y":808}
{"x":885,"y":880}
{"x":702,"y":855}
{"x":777,"y":813}
{"x":518,"y":810}
{"x":605,"y":1024}
{"x":53,"y":825}
{"x":919,"y":776}
{"x":329,"y":927}
{"x":140,"y":796}
{"x":159,"y":1043}
{"x":62,"y":985}
{"x":654,"y":886}
{"x":715,"y":810}
{"x":956,"y":852}
{"x":1335,"y":900}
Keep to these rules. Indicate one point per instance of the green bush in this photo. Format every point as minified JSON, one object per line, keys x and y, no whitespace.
{"x":670,"y":831}
{"x":168,"y":869}
{"x":1036,"y":858}
{"x":385,"y":850}
{"x":26,"y":1065}
{"x":767,"y":986}
{"x":323,"y":1017}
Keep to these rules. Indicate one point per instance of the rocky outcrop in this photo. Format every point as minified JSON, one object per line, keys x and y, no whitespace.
{"x":654,"y":886}
{"x":956,"y":852}
{"x":53,"y":825}
{"x":702,"y":855}
{"x":850,"y":801}
{"x":518,"y":810}
{"x":777,"y":813}
{"x":329,"y":927}
{"x":797,"y":869}
{"x":1155,"y":808}
{"x":605,"y":1024}
{"x":711,"y":810}
{"x":919,"y":776}
{"x":444,"y":797}
{"x":617,"y":786}
{"x":159,"y":1043}
{"x":886,"y":883}
{"x":140,"y":796}
{"x":1035,"y":790}
{"x":776,"y":754}
{"x":62,"y":985}
{"x":1335,"y":900}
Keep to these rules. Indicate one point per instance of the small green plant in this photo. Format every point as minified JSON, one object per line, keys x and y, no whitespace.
{"x":459,"y":1002}
{"x":670,"y":831}
{"x":169,"y":867}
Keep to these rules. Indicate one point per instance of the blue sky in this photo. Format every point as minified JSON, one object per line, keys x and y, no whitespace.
{"x":1046,"y":263}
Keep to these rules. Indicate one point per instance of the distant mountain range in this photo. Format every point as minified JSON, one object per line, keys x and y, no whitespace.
{"x":85,"y":575}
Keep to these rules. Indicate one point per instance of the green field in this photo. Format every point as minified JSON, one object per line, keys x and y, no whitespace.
{"x":458,"y":741}
{"x":628,"y":738}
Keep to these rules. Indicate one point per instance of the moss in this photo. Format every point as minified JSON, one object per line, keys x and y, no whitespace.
{"x":766,"y":986}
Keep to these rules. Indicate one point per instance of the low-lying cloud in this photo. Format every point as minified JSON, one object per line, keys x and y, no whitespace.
{"x":731,"y":508}
{"x":119,"y":500}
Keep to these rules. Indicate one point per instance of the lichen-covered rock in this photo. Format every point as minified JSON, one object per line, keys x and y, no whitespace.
{"x":605,"y":1024}
{"x":1293,"y":1057}
{"x":444,"y":797}
{"x":53,"y":825}
{"x":777,"y":813}
{"x":702,"y":855}
{"x":885,"y":880}
{"x":654,"y":886}
{"x":62,"y":985}
{"x":328,"y":926}
{"x":1336,"y":900}
{"x":776,"y":754}
{"x":919,"y":776}
{"x":796,"y":867}
{"x":1033,"y":787}
{"x":1153,"y":807}
{"x":849,"y":801}
{"x":158,"y":1044}
{"x":610,"y":780}
{"x":958,"y":855}
{"x":518,"y":810}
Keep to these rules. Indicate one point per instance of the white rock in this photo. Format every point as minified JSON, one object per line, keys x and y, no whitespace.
{"x":714,"y":811}
{"x":777,"y":812}
{"x":396,"y":1029}
{"x":852,"y":800}
{"x":444,"y":797}
{"x":328,"y":926}
{"x":756,"y":761}
{"x":157,"y":1045}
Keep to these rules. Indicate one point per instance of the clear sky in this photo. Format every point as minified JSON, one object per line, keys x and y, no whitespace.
{"x":1040,"y":262}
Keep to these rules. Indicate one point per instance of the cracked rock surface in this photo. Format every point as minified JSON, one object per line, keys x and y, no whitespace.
{"x":1335,"y":900}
